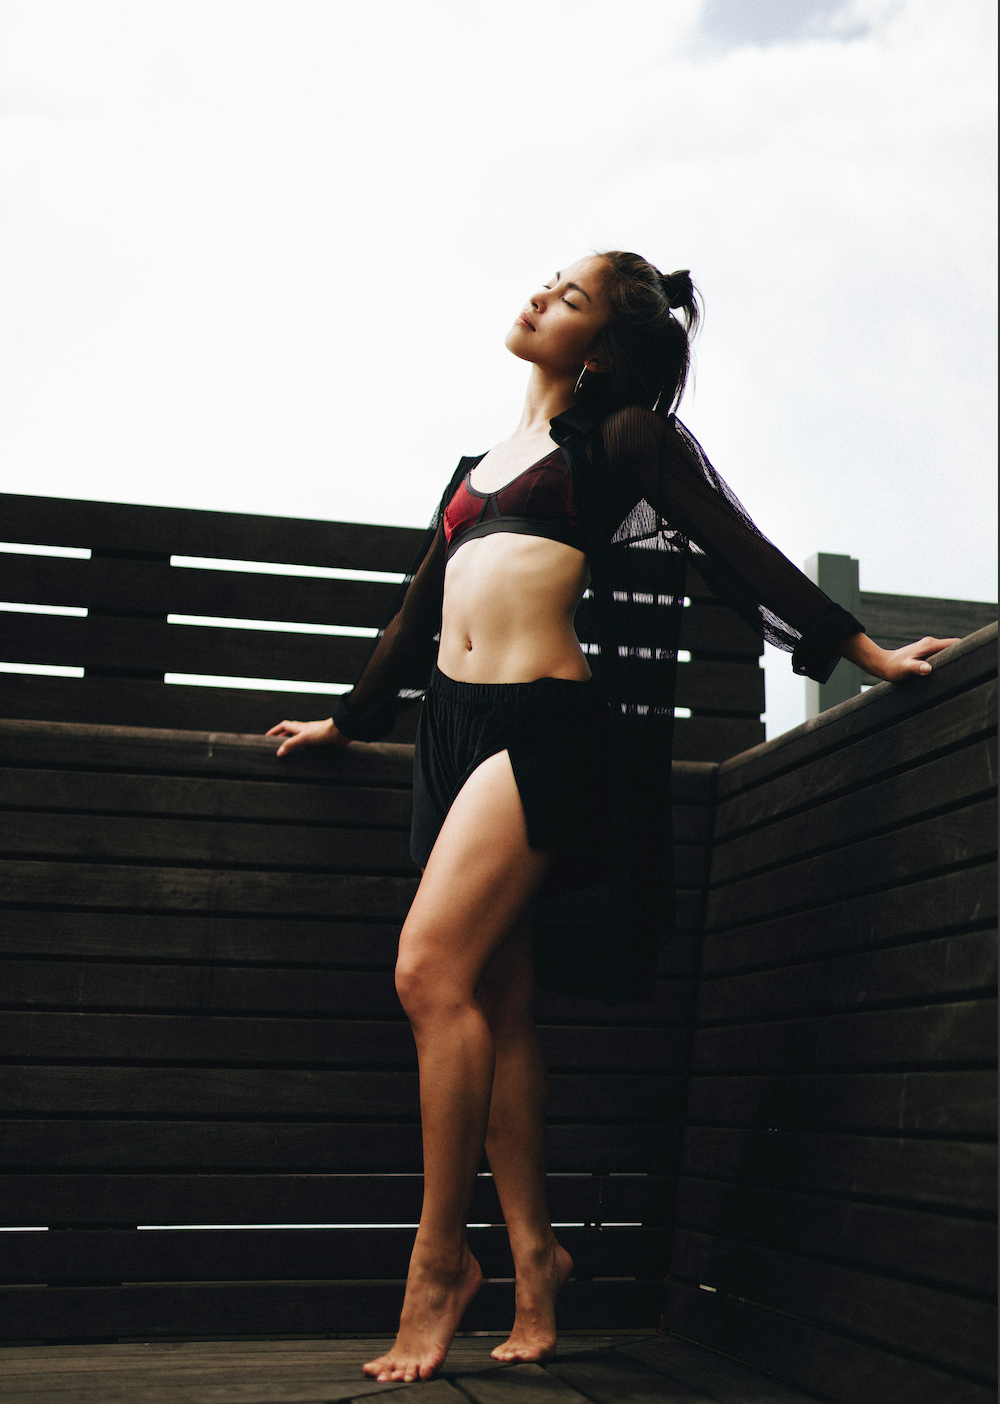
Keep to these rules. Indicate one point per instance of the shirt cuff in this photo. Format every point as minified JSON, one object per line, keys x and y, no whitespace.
{"x":816,"y":654}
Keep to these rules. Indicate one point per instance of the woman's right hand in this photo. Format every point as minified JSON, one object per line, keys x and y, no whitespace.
{"x":316,"y":733}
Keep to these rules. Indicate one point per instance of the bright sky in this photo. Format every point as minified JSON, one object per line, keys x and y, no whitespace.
{"x":261,"y":256}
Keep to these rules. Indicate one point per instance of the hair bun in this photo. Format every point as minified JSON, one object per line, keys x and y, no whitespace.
{"x":678,"y":288}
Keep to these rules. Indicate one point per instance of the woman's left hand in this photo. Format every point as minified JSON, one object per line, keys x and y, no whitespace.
{"x":896,"y":665}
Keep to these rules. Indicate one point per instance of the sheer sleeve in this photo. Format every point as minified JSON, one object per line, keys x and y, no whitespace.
{"x":659,"y":463}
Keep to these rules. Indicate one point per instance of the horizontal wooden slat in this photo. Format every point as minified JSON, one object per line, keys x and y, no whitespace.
{"x":179,"y":1039}
{"x":833,"y":1365}
{"x":90,"y":792}
{"x":318,"y":849}
{"x":290,"y":1254}
{"x":960,"y":667}
{"x":108,"y":642}
{"x":171,"y":752}
{"x":934,"y":1103}
{"x":960,"y":836}
{"x":713,"y":738}
{"x":951,"y":1174}
{"x":239,"y":1309}
{"x":938,"y":1033}
{"x":263,"y":1092}
{"x":950,"y":900}
{"x":303,"y":1146}
{"x":954,"y":1331}
{"x":159,"y":588}
{"x":133,"y":703}
{"x":949,"y":965}
{"x":910,"y":741}
{"x":59,"y":521}
{"x":903,"y":618}
{"x":945,"y":1249}
{"x":199,"y":937}
{"x":955,"y":779}
{"x":112,"y":885}
{"x":310,"y":1198}
{"x":263,"y":990}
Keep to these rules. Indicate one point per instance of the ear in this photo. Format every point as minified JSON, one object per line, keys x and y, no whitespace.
{"x":593,"y":365}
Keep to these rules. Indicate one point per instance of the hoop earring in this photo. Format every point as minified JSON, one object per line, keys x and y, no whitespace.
{"x":579,"y":383}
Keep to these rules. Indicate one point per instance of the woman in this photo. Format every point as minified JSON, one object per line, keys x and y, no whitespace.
{"x":533,"y":780}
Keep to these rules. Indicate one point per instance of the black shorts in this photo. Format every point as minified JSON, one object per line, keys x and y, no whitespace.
{"x":558,"y":735}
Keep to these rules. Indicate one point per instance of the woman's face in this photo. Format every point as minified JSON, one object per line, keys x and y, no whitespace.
{"x":560,"y":322}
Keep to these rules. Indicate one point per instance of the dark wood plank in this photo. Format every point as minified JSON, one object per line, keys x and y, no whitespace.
{"x":193,"y":1198}
{"x":235,"y":1309}
{"x":96,"y":792}
{"x":112,"y":642}
{"x":299,"y":991}
{"x":950,"y":900}
{"x":262,"y":1092}
{"x":908,"y":617}
{"x":912,"y":740}
{"x":220,"y":989}
{"x":960,"y":1032}
{"x":949,"y":1175}
{"x":135,"y":749}
{"x":720,"y":687}
{"x":955,"y":966}
{"x":611,"y":1378}
{"x":930,"y":1246}
{"x":288,"y":847}
{"x":60,"y":521}
{"x":914,"y":851}
{"x":129,"y":702}
{"x":199,"y":937}
{"x":158,"y":588}
{"x":362,"y":1146}
{"x":933,"y":1103}
{"x":958,"y":778}
{"x":318,"y":1042}
{"x":836,"y":1366}
{"x":956,"y":669}
{"x":714,"y":738}
{"x":955,"y":1331}
{"x":715,"y":629}
{"x":92,"y":1256}
{"x":728,"y":1381}
{"x":383,"y":898}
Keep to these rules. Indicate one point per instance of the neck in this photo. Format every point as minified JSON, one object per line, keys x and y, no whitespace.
{"x":547,"y":395}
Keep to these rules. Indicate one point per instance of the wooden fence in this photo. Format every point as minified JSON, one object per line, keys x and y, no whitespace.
{"x":837,"y":1187}
{"x":129,"y":588}
{"x":201,"y":1028}
{"x":200,"y":1025}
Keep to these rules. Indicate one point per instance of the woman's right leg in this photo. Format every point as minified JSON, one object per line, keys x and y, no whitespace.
{"x":479,"y":881}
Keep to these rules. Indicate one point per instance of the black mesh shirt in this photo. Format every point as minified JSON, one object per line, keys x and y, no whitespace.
{"x":649,"y":501}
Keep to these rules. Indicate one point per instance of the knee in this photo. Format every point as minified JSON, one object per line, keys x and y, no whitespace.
{"x":425,"y":990}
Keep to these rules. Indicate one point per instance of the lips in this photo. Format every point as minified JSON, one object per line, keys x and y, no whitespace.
{"x":525,"y":323}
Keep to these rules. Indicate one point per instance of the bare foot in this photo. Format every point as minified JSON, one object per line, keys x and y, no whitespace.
{"x":537,"y":1285}
{"x":436,"y":1296}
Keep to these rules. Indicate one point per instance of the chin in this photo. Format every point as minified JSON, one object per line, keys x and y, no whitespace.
{"x":515,"y":342}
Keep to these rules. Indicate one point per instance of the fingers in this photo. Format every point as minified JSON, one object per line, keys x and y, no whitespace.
{"x":284,"y":728}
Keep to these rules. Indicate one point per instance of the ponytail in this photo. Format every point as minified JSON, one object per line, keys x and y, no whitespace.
{"x":643,"y":350}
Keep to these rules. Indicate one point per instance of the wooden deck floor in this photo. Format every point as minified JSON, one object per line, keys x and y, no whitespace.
{"x":590,"y":1369}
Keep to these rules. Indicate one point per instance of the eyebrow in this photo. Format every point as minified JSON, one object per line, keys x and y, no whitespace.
{"x":576,"y":287}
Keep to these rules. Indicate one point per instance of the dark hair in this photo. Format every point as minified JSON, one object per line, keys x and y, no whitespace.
{"x":644,"y":350}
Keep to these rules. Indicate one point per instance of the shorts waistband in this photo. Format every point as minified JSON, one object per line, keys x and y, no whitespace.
{"x":543,"y":692}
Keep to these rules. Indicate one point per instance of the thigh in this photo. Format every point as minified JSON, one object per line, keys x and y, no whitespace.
{"x":480,"y":878}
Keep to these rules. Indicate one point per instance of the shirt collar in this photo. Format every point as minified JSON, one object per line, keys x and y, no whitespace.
{"x":578,"y":419}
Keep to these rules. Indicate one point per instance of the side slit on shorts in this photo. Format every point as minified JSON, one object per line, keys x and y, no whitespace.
{"x":558,"y":735}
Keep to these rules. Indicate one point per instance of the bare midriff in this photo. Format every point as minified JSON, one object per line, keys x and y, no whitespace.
{"x":509,"y":604}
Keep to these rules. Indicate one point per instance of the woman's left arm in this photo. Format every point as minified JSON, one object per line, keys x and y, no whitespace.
{"x":892,"y":665}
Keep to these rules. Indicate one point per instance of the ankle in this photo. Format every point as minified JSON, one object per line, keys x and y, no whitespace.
{"x":443,"y":1256}
{"x":535,"y":1247}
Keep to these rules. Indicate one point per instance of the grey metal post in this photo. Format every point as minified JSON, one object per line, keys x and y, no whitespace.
{"x":836,"y":576}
